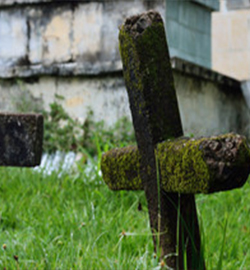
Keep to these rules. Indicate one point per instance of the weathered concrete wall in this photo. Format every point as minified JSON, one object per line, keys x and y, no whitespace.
{"x":69,"y":38}
{"x":79,"y":38}
{"x":209,"y":103}
{"x":71,"y":49}
{"x":209,"y":108}
{"x":6,"y":3}
{"x":106,"y":96}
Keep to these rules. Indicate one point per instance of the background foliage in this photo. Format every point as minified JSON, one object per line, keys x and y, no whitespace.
{"x":63,"y":133}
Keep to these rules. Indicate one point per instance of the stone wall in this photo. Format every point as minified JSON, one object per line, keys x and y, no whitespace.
{"x":66,"y":38}
{"x":209,"y":102}
{"x":70,"y":49}
{"x":45,"y":37}
{"x":105,"y":96}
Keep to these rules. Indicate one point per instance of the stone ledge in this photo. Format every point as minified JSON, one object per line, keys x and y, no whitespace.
{"x":109,"y":67}
{"x":61,"y":69}
{"x":203,"y":73}
{"x":9,"y":3}
{"x":213,"y":5}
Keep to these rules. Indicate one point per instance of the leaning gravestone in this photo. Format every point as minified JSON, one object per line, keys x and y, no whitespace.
{"x":170,"y":171}
{"x":21,"y":138}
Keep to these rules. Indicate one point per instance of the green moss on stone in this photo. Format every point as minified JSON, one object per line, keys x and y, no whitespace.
{"x":131,"y":64}
{"x":182,"y":166}
{"x":180,"y":162}
{"x":147,"y":72}
{"x":121,"y":169}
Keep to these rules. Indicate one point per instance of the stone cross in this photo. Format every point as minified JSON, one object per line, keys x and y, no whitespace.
{"x":169,"y":170}
{"x":21,"y":138}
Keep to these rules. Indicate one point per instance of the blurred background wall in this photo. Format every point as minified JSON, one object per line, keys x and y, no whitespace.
{"x":70,"y":49}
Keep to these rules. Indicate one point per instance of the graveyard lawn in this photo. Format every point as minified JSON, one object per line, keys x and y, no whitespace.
{"x":76,"y":222}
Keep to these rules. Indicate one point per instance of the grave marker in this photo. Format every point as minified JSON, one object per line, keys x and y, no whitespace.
{"x":155,"y":113}
{"x":169,"y":171}
{"x":21,"y":138}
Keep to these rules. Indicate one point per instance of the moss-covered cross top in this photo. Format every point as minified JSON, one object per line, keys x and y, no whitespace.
{"x":21,"y":138}
{"x":170,"y":171}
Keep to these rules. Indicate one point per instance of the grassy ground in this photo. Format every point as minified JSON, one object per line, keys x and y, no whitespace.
{"x":75,"y":222}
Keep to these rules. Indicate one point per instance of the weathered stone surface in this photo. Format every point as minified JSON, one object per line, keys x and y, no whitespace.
{"x":14,"y":2}
{"x":84,"y":94}
{"x":87,"y":29}
{"x":63,"y":38}
{"x":50,"y":40}
{"x":149,"y":81}
{"x":23,"y":2}
{"x":201,"y":94}
{"x":193,"y":166}
{"x":21,"y":138}
{"x":153,"y":103}
{"x":13,"y":36}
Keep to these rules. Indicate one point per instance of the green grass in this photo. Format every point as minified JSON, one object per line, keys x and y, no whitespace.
{"x":226,"y":225}
{"x":76,"y":222}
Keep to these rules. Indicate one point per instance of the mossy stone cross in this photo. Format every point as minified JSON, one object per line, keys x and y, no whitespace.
{"x":170,"y":171}
{"x":21,"y":139}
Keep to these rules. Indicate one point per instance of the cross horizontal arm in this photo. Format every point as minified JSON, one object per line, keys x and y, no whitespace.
{"x":21,"y":138}
{"x":187,"y":166}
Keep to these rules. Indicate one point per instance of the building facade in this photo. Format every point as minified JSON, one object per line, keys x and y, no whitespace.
{"x":68,"y":48}
{"x":188,"y":25}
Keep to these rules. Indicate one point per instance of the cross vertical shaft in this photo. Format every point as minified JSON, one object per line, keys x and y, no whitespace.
{"x":153,"y":103}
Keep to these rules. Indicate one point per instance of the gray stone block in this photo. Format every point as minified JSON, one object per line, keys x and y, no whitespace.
{"x":21,"y":138}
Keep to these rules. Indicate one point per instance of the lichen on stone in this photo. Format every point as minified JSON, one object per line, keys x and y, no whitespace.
{"x":148,"y":74}
{"x":182,"y":167}
{"x":121,"y":168}
{"x":187,"y":166}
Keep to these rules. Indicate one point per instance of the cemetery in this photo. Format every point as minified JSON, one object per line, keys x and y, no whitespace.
{"x":153,"y":192}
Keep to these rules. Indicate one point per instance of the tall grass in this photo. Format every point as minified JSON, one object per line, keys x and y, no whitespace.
{"x":75,"y":222}
{"x":72,"y":222}
{"x":226,"y":225}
